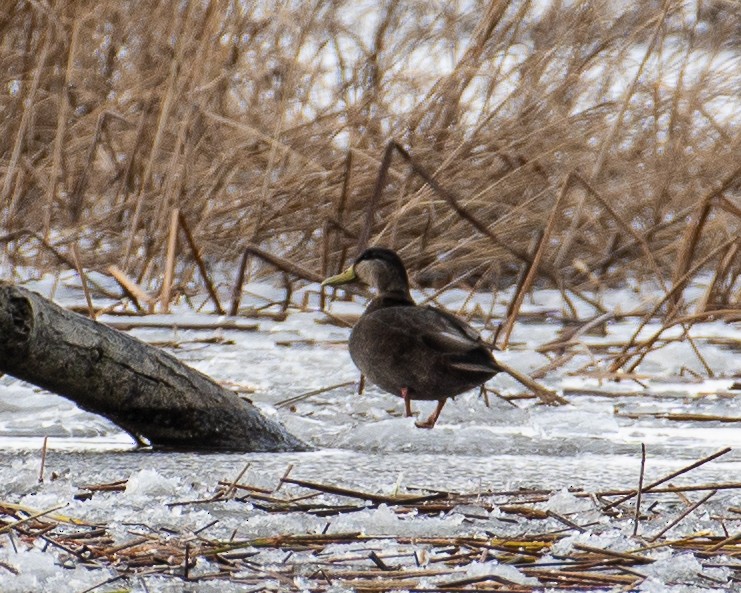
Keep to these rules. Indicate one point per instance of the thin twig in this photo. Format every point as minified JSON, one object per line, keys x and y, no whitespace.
{"x":637,"y":516}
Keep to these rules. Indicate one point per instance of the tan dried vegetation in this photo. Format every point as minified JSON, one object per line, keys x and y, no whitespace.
{"x":610,"y":129}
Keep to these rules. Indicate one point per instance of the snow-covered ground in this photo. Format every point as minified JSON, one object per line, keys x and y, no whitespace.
{"x":363,"y":441}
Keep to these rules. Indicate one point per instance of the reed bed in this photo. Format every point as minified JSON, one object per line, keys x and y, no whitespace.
{"x":561,"y":551}
{"x":577,"y":145}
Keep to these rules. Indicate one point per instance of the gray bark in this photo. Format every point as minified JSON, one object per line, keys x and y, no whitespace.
{"x":145,"y":391}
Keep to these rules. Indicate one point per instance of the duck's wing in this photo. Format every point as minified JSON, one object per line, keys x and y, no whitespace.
{"x":459,"y":342}
{"x":435,"y":328}
{"x":445,"y":331}
{"x":442,"y":333}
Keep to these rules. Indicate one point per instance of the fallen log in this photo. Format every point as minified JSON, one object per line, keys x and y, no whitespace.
{"x":145,"y":391}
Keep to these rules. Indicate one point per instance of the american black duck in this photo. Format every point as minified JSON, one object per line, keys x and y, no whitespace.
{"x":417,"y":353}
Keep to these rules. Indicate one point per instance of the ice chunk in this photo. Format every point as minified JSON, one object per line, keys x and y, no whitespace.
{"x":148,"y":482}
{"x":679,"y":569}
{"x":505,"y":571}
{"x":612,"y":539}
{"x":34,"y":570}
{"x":564,"y":502}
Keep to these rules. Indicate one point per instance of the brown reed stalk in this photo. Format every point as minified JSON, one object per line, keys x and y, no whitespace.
{"x":200,"y":263}
{"x":639,"y":491}
{"x":57,"y":172}
{"x":245,"y":122}
{"x":370,"y":212}
{"x":172,"y":245}
{"x":720,"y":273}
{"x":682,"y":515}
{"x":83,"y":280}
{"x":694,"y":230}
{"x":533,"y":266}
{"x":43,"y":459}
{"x":135,"y":292}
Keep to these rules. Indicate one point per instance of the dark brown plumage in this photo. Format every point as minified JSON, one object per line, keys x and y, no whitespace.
{"x":415,"y":352}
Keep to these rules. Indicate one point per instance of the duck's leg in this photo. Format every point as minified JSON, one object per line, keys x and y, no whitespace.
{"x":407,"y":402}
{"x":430,"y":422}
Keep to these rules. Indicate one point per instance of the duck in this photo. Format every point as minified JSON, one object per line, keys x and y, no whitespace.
{"x":412,"y":351}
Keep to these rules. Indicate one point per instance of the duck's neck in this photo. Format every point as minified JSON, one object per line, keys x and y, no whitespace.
{"x":393,"y":298}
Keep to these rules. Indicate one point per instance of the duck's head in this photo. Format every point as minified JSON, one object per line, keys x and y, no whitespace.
{"x":379,"y":268}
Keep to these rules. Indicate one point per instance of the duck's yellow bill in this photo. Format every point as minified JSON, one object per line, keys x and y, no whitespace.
{"x":343,"y":278}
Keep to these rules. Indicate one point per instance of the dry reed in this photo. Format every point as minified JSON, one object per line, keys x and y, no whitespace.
{"x":265,"y":124}
{"x":529,"y":537}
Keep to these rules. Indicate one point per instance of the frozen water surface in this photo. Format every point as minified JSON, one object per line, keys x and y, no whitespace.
{"x":363,"y":442}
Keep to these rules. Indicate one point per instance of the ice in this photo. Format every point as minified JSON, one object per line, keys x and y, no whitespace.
{"x":609,"y":539}
{"x":564,"y":502}
{"x":256,"y":524}
{"x":21,"y":477}
{"x":148,"y":482}
{"x":505,"y":571}
{"x":31,"y":569}
{"x":384,"y":521}
{"x":680,"y":572}
{"x":673,"y":358}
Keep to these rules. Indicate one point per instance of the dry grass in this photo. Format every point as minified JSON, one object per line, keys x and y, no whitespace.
{"x":266,"y":124}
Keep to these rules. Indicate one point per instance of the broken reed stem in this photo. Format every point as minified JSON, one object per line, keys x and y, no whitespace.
{"x":365,"y":234}
{"x":637,"y":515}
{"x":233,"y":485}
{"x":682,"y":515}
{"x":186,"y":562}
{"x":673,"y":489}
{"x":455,"y":205}
{"x":135,"y":292}
{"x":200,"y":263}
{"x":237,"y":289}
{"x":545,"y":395}
{"x":672,"y":475}
{"x":614,"y":554}
{"x":534,"y":264}
{"x":77,"y":196}
{"x":297,"y":398}
{"x":277,"y":262}
{"x":83,"y":280}
{"x":704,"y":304}
{"x":729,"y":540}
{"x":693,"y":232}
{"x":283,"y":264}
{"x":31,"y":517}
{"x":43,"y":460}
{"x":172,"y":244}
{"x":509,"y":314}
